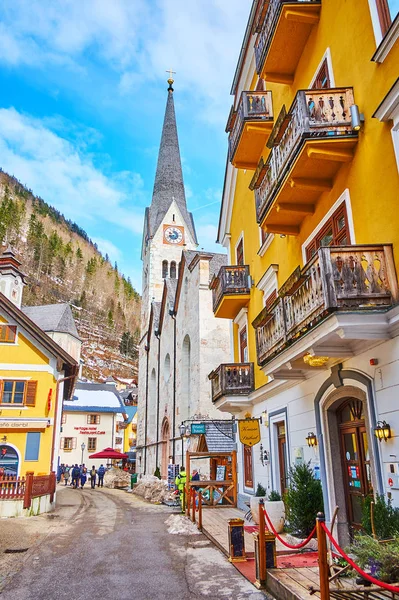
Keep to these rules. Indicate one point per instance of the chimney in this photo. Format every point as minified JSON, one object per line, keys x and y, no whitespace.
{"x":12,"y":280}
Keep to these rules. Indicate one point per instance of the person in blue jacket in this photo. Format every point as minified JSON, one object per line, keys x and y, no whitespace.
{"x":101,"y":473}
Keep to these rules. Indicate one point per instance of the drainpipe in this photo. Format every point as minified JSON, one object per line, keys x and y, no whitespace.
{"x":146,"y":348}
{"x":56,"y":425}
{"x":173,"y":315}
{"x":158,"y":336}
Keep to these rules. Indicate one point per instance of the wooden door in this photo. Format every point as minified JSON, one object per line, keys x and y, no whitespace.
{"x":282,"y":456}
{"x":355,"y":460}
{"x":243,"y":345}
{"x":248,"y":467}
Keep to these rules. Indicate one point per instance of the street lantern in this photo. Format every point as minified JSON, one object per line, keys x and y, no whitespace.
{"x":311,"y":440}
{"x":382,"y":431}
{"x":83,"y":446}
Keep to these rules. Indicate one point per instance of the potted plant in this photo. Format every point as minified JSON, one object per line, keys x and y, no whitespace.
{"x":275,"y":509}
{"x":303,"y":500}
{"x":254,"y":502}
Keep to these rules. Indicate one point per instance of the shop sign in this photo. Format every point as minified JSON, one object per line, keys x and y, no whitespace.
{"x":249,"y":432}
{"x":89,"y":430}
{"x":197,"y":428}
{"x":24,"y":424}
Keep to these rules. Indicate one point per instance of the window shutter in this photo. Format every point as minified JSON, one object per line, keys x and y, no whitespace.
{"x":97,"y":419}
{"x":30,"y":398}
{"x":73,"y":443}
{"x":62,"y":443}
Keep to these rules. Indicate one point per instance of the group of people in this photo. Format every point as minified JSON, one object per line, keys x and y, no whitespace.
{"x":78,"y":475}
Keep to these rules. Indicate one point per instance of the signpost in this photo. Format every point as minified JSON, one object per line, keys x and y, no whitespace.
{"x":249,"y":431}
{"x":197,"y":428}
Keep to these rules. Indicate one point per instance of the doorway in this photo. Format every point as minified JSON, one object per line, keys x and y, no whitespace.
{"x":248,"y":468}
{"x":355,"y":459}
{"x":165,"y":448}
{"x":282,"y":456}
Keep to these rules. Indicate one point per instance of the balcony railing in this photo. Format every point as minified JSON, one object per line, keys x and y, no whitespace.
{"x":268,"y":22}
{"x":253,"y":106}
{"x":343,"y":278}
{"x":313,"y":114}
{"x":235,"y":379}
{"x":231,"y":280}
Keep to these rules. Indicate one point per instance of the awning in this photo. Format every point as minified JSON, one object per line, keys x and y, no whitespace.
{"x":109,"y":453}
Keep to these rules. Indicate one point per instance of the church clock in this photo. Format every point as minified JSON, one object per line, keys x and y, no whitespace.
{"x":173,"y":234}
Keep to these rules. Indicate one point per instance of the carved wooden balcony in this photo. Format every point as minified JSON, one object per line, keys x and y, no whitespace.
{"x":309,"y":145}
{"x":235,"y":379}
{"x":230,"y":290}
{"x":284,"y":27}
{"x":358,"y":279}
{"x":250,"y":127}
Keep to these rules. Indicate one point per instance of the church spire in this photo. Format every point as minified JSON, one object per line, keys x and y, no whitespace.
{"x":168,"y":185}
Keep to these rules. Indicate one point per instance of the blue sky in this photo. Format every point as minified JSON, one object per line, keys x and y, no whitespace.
{"x":83,"y":93}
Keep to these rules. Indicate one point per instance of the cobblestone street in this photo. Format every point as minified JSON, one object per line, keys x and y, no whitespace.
{"x":110,"y":543}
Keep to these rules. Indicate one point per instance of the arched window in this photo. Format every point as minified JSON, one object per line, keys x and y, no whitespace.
{"x":186,"y":378}
{"x":164,"y":269}
{"x":173,"y":270}
{"x":152,"y":404}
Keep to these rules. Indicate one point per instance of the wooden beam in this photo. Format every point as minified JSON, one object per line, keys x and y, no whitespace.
{"x":286,"y":78}
{"x":303,"y":209}
{"x":326,"y":154}
{"x":301,"y":16}
{"x":282,"y":229}
{"x":311,"y":185}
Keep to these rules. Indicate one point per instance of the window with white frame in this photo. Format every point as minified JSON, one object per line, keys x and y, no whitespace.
{"x":385,"y":20}
{"x":268,"y":285}
{"x":388,"y":111}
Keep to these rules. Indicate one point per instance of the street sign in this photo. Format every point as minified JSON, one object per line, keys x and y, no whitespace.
{"x":249,"y":431}
{"x":197,"y":428}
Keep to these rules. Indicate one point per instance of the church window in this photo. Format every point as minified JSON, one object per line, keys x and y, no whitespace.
{"x":167,"y":368}
{"x":152,"y":405}
{"x":173,"y":270}
{"x":173,"y":219}
{"x":186,"y":380}
{"x":164,"y":269}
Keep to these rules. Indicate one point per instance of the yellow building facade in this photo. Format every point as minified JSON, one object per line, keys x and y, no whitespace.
{"x":35,"y":376}
{"x":309,"y":218}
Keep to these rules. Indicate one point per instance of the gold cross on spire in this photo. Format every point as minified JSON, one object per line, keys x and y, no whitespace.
{"x":170,"y":80}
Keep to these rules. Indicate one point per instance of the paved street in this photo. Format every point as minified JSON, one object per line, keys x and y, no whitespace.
{"x":110,"y":544}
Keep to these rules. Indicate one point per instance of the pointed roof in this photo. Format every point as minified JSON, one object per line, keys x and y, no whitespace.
{"x":168,"y":185}
{"x":53,"y":317}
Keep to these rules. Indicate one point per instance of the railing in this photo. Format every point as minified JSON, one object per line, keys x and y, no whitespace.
{"x":232,"y":279}
{"x":15,"y":488}
{"x":11,"y":487}
{"x":337,"y":278}
{"x":313,"y":114}
{"x":213,"y":493}
{"x":235,"y":379}
{"x":253,"y":106}
{"x":269,"y":22}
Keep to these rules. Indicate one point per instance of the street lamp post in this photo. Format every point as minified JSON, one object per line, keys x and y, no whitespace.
{"x":182,"y":434}
{"x":83,"y":446}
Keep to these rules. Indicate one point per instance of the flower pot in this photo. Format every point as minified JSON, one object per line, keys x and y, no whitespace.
{"x":254,"y":505}
{"x":276,"y":513}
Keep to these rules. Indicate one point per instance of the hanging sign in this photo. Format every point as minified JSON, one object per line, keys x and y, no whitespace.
{"x":197,"y":428}
{"x":249,"y":431}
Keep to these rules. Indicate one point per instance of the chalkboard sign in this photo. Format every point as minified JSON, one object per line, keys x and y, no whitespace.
{"x":236,"y":539}
{"x":220,"y":473}
{"x":270,"y":558}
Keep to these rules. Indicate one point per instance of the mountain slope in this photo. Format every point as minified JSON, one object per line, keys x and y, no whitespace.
{"x":63,"y":265}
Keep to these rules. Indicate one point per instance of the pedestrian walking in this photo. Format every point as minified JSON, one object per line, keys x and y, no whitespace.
{"x":83,"y":476}
{"x":59,"y":473}
{"x":75,"y":476}
{"x":101,"y":473}
{"x":180,"y":482}
{"x":66,"y":474}
{"x":93,"y":474}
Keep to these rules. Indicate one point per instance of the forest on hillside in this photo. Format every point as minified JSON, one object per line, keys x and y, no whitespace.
{"x":62,"y":264}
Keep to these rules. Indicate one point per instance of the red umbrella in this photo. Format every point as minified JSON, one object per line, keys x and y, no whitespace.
{"x":109,"y":453}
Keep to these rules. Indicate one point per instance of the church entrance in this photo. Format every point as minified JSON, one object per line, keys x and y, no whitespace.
{"x":165,"y":448}
{"x":355,"y":459}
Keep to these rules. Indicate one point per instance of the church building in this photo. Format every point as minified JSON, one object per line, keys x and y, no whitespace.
{"x":182,"y":340}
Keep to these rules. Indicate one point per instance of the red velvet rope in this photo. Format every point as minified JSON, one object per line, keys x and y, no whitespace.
{"x":297,"y":546}
{"x":391,"y":588}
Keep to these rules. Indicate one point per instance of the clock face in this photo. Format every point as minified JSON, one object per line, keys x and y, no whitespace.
{"x":173,"y":234}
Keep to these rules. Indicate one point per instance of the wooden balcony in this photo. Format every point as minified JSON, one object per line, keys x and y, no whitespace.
{"x":230,"y":290}
{"x":284,"y":27}
{"x":235,"y":379}
{"x":250,"y":127}
{"x":355,"y":279}
{"x":309,"y":145}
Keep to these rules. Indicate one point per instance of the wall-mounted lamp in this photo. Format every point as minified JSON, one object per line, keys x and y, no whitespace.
{"x":311,"y":439}
{"x":264,"y":418}
{"x":264,"y":456}
{"x":357,"y":117}
{"x":382,"y":431}
{"x":283,"y":235}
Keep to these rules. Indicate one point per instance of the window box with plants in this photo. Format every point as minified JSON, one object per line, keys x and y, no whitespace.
{"x":274,"y":507}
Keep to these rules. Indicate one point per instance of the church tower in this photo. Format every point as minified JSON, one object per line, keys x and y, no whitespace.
{"x":168,"y":226}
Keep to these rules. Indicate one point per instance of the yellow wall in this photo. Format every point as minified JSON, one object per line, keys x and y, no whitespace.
{"x":25,"y":354}
{"x":371,"y":177}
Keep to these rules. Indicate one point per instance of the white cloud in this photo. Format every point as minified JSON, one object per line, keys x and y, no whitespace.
{"x":65,"y":176}
{"x":107,"y":247}
{"x":207,"y":234}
